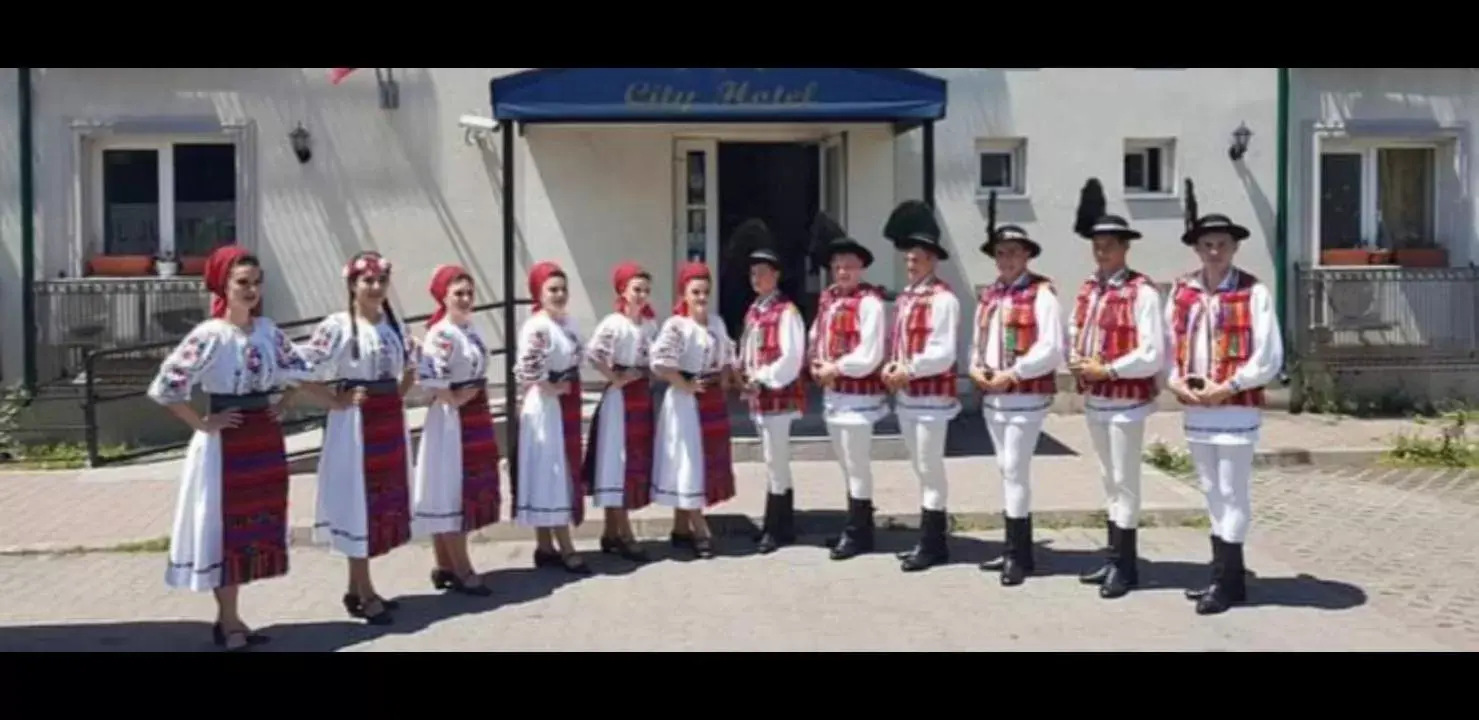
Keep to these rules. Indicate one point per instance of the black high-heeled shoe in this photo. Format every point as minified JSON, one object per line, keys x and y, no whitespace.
{"x":622,"y":549}
{"x":462,"y":587}
{"x":356,"y":609}
{"x":219,"y":637}
{"x":442,"y":579}
{"x":703,"y":548}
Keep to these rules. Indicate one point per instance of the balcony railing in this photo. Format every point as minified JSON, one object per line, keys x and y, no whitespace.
{"x":1387,"y":315}
{"x":78,"y":317}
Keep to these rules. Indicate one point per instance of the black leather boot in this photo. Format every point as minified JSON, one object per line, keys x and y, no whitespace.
{"x":931,"y":550}
{"x":780,"y":523}
{"x":995,"y":564}
{"x":1230,"y":586}
{"x":1019,"y":561}
{"x":1124,"y":574}
{"x":1111,"y":556}
{"x":1215,"y":570}
{"x":857,"y":538}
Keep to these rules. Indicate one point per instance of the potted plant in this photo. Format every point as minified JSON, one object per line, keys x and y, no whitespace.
{"x":119,"y":265}
{"x":166,"y":265}
{"x":1355,"y":253}
{"x":1422,"y":253}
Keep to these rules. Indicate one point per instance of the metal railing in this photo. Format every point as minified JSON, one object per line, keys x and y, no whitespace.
{"x":1386,"y":316}
{"x":96,"y":394}
{"x":78,"y":317}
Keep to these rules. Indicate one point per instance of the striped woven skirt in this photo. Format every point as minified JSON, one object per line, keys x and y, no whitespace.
{"x":480,"y":492}
{"x":387,"y":485}
{"x":713,"y":421}
{"x":254,"y":492}
{"x":638,"y":418}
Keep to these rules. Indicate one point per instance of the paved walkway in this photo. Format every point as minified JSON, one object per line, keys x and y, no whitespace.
{"x":106,"y":507}
{"x":794,"y":600}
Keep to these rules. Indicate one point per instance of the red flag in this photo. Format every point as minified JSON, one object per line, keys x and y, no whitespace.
{"x":337,"y":75}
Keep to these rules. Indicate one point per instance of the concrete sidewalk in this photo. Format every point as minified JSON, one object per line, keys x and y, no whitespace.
{"x":108,"y":507}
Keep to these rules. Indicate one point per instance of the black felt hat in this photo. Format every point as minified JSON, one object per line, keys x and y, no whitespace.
{"x":913,"y":224}
{"x":1199,"y":225}
{"x":1013,"y":233}
{"x":828,"y":239}
{"x":1093,"y":219}
{"x":753,"y":243}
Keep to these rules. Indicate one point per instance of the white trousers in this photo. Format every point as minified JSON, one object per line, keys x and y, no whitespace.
{"x":1226,"y":472}
{"x":853,"y":445}
{"x":1015,"y":444}
{"x":926,"y":444}
{"x":775,"y":444}
{"x":1120,"y":448}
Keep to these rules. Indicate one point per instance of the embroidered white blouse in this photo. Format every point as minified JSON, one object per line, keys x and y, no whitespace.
{"x":383,"y":354}
{"x":226,"y":360}
{"x":618,"y":340}
{"x":451,"y":354}
{"x":684,"y":345}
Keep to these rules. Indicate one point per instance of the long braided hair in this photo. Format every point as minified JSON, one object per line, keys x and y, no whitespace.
{"x":361,"y":263}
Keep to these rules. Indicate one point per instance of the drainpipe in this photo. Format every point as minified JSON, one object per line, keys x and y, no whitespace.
{"x":1281,"y":215}
{"x":28,"y":229}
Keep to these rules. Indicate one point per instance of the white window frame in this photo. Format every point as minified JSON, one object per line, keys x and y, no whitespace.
{"x":1016,"y":150}
{"x":1169,"y":181}
{"x":91,"y":136}
{"x":1368,"y":149}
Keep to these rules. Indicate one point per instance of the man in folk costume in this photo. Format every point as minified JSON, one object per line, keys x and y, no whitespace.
{"x":1015,"y":353}
{"x":1226,"y":345}
{"x":772,"y":354}
{"x":920,"y":370}
{"x":846,"y":349}
{"x":1116,"y":341}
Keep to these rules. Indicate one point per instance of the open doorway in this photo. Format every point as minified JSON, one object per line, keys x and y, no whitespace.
{"x":779,"y":183}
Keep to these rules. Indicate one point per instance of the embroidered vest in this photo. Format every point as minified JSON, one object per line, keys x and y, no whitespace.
{"x":767,"y":322}
{"x":911,"y":332}
{"x":1114,"y":336}
{"x":841,"y":335}
{"x":1232,"y":331}
{"x":1019,"y":330}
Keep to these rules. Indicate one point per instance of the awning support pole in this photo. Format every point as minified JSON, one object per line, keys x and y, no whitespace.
{"x":929,"y":163}
{"x":510,"y":331}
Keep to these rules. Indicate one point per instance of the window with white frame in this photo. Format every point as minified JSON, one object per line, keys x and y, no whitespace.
{"x":157,"y":196}
{"x":1150,"y":167}
{"x":1001,"y":166}
{"x":1377,"y":194}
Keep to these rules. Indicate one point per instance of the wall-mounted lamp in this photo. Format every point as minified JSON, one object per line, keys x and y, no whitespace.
{"x":302,"y":143}
{"x":1239,"y":146}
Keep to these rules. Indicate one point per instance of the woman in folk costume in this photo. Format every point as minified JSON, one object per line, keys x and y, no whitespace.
{"x":771,"y":358}
{"x":1116,"y":339}
{"x":692,"y":468}
{"x":920,"y":371}
{"x":456,"y":486}
{"x":618,"y":460}
{"x":549,"y":492}
{"x":846,"y":348}
{"x":1016,"y":350}
{"x":231,"y":523}
{"x":1226,"y":345}
{"x":364,"y":472}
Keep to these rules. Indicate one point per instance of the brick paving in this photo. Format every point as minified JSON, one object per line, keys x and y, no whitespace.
{"x":794,"y":600}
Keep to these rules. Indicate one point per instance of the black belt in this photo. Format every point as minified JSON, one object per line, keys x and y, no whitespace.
{"x":251,"y":401}
{"x":373,"y":387}
{"x":480,"y":383}
{"x":706,"y":377}
{"x":618,"y":369}
{"x":571,"y":375}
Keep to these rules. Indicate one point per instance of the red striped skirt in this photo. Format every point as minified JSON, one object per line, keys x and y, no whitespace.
{"x":713,"y":420}
{"x":387,"y":485}
{"x":637,"y":422}
{"x":480,"y":492}
{"x":254,"y":494}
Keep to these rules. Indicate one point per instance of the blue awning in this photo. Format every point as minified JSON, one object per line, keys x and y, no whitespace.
{"x":711,"y":95}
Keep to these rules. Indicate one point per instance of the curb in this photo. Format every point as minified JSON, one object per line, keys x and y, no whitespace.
{"x":808,"y":523}
{"x":1303,"y":457}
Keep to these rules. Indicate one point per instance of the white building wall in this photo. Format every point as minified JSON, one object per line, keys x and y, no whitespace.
{"x":1412,"y":104}
{"x":404,"y":182}
{"x":12,"y":350}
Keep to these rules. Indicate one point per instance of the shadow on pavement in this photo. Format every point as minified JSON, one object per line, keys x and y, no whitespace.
{"x":417,"y":612}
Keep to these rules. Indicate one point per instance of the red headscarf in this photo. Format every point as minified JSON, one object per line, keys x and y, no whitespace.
{"x":218,"y":274}
{"x":623,"y":274}
{"x":538,"y":276}
{"x":689,"y":271}
{"x":441,"y":282}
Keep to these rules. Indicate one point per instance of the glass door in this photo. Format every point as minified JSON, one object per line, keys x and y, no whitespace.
{"x":695,"y":205}
{"x":833,"y":200}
